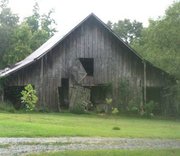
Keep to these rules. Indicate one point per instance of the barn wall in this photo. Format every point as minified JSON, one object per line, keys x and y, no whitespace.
{"x":113,"y":61}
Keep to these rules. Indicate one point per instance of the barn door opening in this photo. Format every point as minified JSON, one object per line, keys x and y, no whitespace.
{"x":13,"y":94}
{"x":154,"y":94}
{"x":64,"y":93}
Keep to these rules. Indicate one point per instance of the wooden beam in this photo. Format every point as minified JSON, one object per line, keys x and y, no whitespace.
{"x":42,"y":84}
{"x":2,"y":96}
{"x":144,"y":85}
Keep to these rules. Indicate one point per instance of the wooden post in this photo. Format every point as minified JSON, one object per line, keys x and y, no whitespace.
{"x":59,"y":107}
{"x":144,"y":87}
{"x":2,"y":96}
{"x":42,"y":85}
{"x":144,"y":82}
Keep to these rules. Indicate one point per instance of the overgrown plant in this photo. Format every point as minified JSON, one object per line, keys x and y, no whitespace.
{"x":109,"y":105}
{"x":29,"y":97}
{"x":128,"y":100}
{"x":79,"y":108}
{"x":124,"y":94}
{"x":115,"y":111}
{"x":172,"y":100}
{"x":149,"y":108}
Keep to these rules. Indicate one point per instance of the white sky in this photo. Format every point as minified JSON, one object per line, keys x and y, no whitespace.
{"x":68,"y":13}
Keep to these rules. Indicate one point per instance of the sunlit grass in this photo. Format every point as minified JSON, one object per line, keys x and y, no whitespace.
{"x":65,"y":124}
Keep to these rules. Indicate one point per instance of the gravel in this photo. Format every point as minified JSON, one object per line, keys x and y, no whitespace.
{"x":24,"y":146}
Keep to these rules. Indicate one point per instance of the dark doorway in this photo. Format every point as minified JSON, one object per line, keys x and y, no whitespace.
{"x":88,"y":64}
{"x":100,"y":93}
{"x":13,"y":94}
{"x":64,"y":93}
{"x":154,"y":94}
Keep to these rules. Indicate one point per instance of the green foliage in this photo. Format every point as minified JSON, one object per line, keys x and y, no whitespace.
{"x":19,"y":48}
{"x":18,"y":40}
{"x":128,"y":100}
{"x":124,"y":91}
{"x":127,"y":30}
{"x":149,"y":108}
{"x":108,"y":105}
{"x":47,"y":22}
{"x":8,"y":23}
{"x":79,"y":108}
{"x":7,"y":107}
{"x":159,"y":42}
{"x":115,"y":111}
{"x":33,"y":21}
{"x":172,"y":103}
{"x":109,"y":101}
{"x":29,"y":97}
{"x":124,"y":94}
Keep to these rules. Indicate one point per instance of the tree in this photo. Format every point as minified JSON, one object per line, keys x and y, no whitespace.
{"x":41,"y":26}
{"x":33,"y":20}
{"x":8,"y":23}
{"x":20,"y":46}
{"x":47,"y":23}
{"x":18,"y":40}
{"x":127,"y":30}
{"x":159,"y":42}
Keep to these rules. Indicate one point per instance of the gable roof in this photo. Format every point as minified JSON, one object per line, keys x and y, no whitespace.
{"x":53,"y":41}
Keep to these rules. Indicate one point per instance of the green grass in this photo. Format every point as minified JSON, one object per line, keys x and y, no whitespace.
{"x":65,"y":124}
{"x":167,"y":152}
{"x":4,"y":146}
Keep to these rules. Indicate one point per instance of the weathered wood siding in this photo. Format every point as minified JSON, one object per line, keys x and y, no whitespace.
{"x":112,"y":62}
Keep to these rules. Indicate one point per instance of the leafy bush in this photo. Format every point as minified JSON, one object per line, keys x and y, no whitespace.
{"x":101,"y":108}
{"x":115,"y":111}
{"x":129,"y":99}
{"x":7,"y":107}
{"x":149,"y":108}
{"x":109,"y":105}
{"x":124,"y":94}
{"x":79,"y":108}
{"x":134,"y":110}
{"x":29,"y":97}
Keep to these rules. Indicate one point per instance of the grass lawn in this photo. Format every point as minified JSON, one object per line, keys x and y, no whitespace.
{"x":170,"y":152}
{"x":66,"y":124}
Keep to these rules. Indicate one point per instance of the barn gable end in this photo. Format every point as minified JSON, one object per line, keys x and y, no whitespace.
{"x":90,"y":55}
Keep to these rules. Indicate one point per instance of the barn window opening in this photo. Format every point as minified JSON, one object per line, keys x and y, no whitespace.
{"x":88,"y":64}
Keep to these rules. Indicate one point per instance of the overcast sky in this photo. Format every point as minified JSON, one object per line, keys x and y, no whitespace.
{"x":69,"y":12}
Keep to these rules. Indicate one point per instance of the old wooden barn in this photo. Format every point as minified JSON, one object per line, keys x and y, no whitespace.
{"x":90,"y":56}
